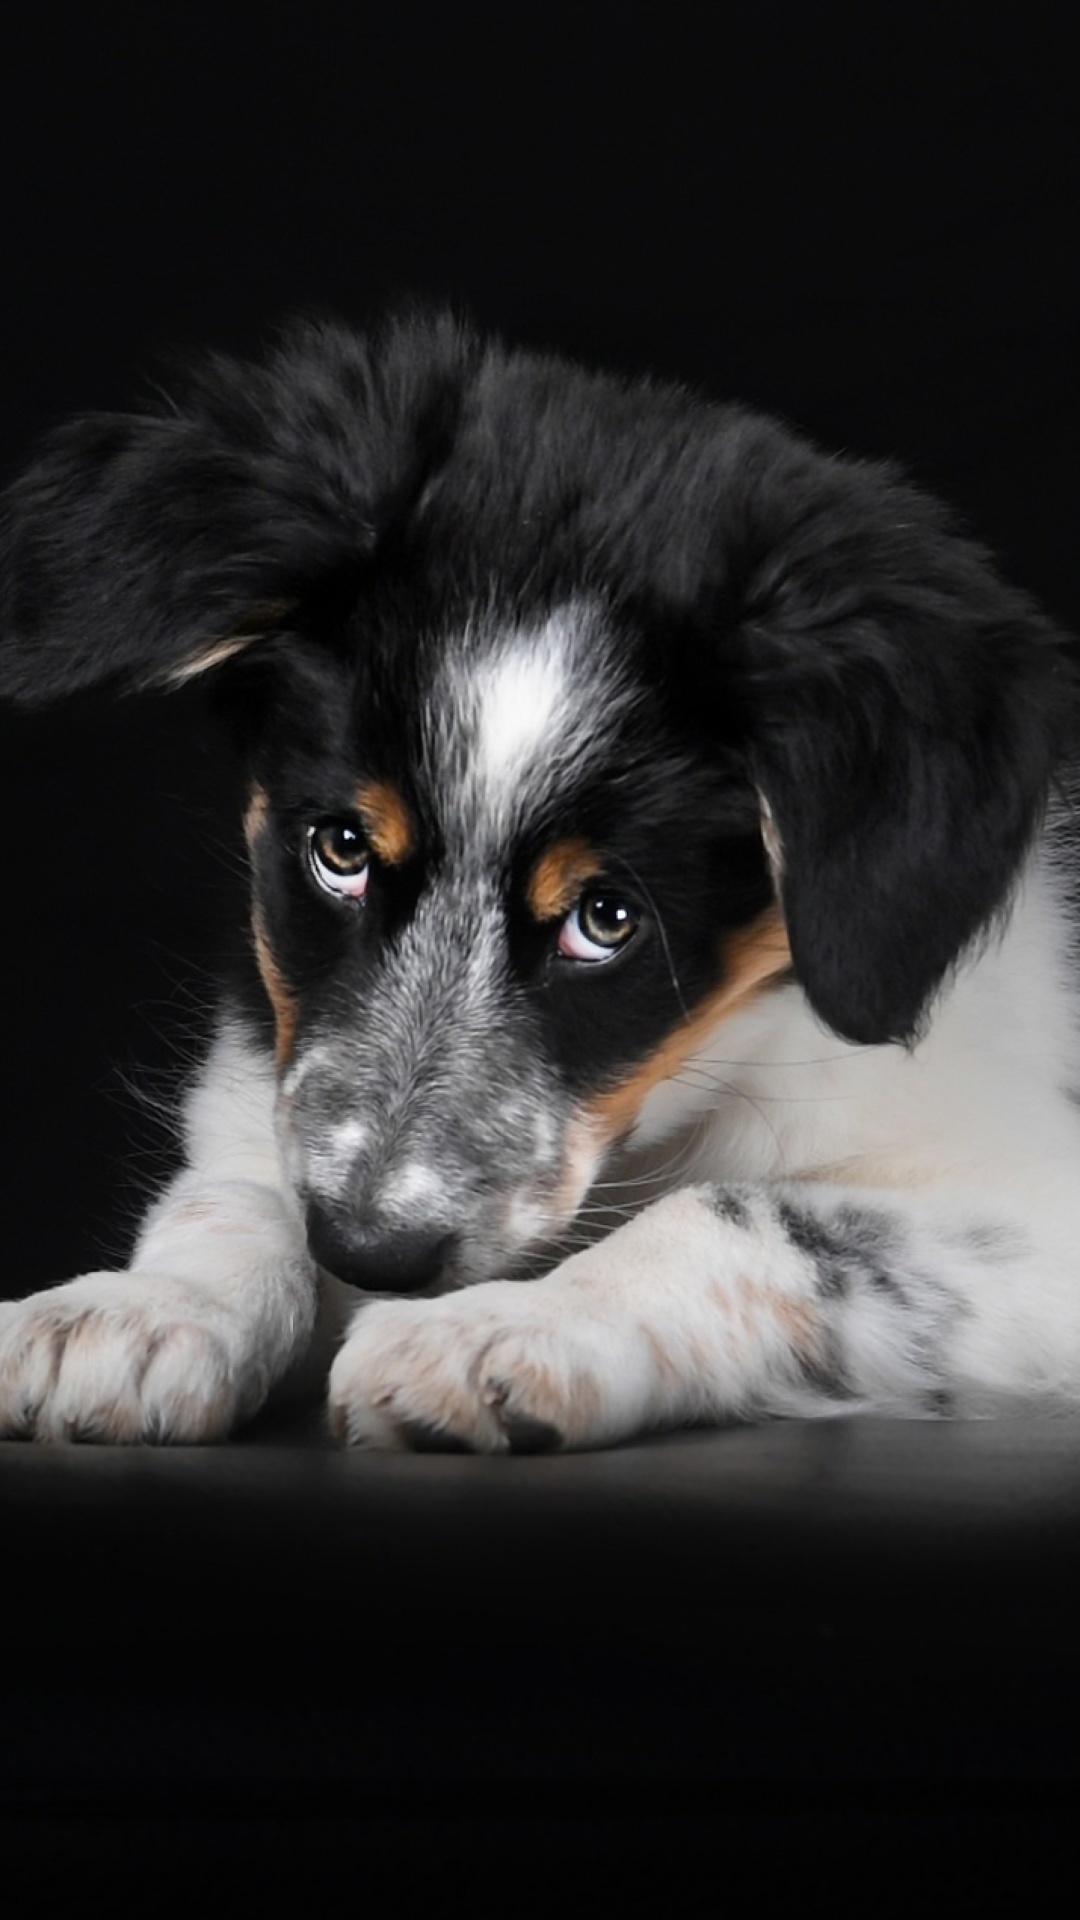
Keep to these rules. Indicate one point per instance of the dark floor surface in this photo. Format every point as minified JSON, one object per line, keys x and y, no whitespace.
{"x":854,"y":1599}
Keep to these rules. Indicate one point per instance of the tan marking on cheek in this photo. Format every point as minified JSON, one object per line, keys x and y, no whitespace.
{"x":755,"y":956}
{"x":255,"y":816}
{"x":278,"y":992}
{"x":558,"y":877}
{"x":388,"y":823}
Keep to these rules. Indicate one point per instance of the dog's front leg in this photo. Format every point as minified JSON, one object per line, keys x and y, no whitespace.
{"x":217,"y":1305}
{"x":720,"y":1303}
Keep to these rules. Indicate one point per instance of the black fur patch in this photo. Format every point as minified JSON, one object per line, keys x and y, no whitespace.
{"x":732,"y":1206}
{"x":853,"y":1246}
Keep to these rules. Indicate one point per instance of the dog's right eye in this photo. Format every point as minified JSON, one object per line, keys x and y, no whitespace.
{"x":338,"y":856}
{"x":598,"y":926}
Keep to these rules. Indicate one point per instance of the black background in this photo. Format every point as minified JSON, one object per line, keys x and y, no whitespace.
{"x":861,"y":218}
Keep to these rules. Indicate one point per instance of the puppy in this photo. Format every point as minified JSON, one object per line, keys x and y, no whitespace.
{"x":661,"y":992}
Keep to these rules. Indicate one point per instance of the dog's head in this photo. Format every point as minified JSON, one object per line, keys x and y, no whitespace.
{"x":576,"y":714}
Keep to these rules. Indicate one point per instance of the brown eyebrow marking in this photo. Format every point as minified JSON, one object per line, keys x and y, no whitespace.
{"x":559,"y":875}
{"x":387,"y":821}
{"x":757,"y":956}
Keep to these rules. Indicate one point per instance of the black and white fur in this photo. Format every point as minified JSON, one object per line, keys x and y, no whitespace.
{"x":661,"y":996}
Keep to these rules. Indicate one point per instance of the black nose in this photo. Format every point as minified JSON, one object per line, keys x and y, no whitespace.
{"x":378,"y":1260}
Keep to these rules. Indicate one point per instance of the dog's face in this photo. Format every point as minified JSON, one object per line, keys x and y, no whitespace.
{"x":575,"y":714}
{"x":500,"y":895}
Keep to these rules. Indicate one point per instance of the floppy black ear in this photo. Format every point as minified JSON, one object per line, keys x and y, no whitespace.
{"x":906,"y":711}
{"x":143,"y":548}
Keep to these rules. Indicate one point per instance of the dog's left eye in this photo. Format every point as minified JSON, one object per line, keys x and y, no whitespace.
{"x":598,"y":926}
{"x":339,"y":858}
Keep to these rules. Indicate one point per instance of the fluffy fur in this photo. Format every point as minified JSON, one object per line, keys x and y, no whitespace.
{"x":661,"y":993}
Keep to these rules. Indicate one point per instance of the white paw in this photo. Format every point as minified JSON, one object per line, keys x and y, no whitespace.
{"x":117,"y":1357}
{"x":503,"y":1366}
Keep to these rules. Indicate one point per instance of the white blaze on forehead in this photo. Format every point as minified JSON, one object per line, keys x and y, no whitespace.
{"x":522,"y":698}
{"x":514,"y":714}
